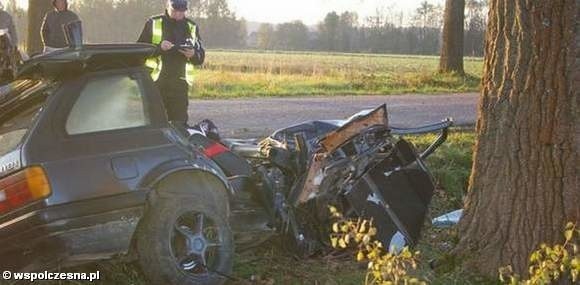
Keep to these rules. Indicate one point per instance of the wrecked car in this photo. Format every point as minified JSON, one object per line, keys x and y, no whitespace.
{"x":91,"y":169}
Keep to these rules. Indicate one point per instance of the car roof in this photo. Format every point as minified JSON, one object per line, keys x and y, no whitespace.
{"x":87,"y":58}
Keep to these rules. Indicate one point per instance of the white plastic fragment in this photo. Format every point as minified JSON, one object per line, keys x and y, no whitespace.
{"x":373,"y":198}
{"x":448,"y":220}
{"x":397,"y":243}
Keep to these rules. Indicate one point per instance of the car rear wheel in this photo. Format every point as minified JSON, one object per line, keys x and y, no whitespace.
{"x":185,"y":241}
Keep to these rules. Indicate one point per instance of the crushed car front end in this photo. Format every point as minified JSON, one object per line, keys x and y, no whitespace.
{"x":362,"y":165}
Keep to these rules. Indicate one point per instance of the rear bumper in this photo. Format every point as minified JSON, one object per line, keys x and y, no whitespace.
{"x":69,"y":234}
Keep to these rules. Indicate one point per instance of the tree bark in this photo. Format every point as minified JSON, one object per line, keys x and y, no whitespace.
{"x":452,"y":48}
{"x":525,"y":183}
{"x":36,"y":11}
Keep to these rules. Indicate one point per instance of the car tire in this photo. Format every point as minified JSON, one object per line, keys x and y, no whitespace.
{"x":177,"y":237}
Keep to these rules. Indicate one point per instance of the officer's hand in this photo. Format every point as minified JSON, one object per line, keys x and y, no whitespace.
{"x":188,"y":53}
{"x":166,"y":45}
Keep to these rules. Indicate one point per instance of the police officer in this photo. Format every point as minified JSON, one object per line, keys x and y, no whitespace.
{"x":179,"y":49}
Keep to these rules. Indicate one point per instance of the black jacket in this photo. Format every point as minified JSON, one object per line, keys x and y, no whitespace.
{"x":176,"y":32}
{"x":6,"y":22}
{"x":53,"y":28}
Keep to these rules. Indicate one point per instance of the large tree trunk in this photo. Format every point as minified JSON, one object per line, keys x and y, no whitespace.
{"x":452,"y":48}
{"x":36,"y":11}
{"x":525,"y":183}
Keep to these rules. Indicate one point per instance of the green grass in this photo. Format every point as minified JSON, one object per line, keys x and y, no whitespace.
{"x":451,"y":166}
{"x":269,"y":264}
{"x":247,"y":74}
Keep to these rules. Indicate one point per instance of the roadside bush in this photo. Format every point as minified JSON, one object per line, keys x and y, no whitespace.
{"x":384,"y":267}
{"x":549,"y":265}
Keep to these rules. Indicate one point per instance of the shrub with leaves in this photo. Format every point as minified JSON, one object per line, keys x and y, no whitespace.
{"x":384,"y":267}
{"x":550,"y":264}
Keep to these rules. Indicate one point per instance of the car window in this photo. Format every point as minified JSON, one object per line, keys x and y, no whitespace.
{"x":12,"y":131}
{"x":106,"y":104}
{"x":20,"y":104}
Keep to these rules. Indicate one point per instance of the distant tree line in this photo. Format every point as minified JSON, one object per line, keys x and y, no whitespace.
{"x":110,"y":21}
{"x":382,"y":33}
{"x":123,"y":20}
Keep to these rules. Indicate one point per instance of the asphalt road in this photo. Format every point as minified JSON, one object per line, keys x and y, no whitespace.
{"x":252,"y":117}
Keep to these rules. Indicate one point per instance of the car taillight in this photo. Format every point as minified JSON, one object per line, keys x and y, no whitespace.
{"x":22,"y":188}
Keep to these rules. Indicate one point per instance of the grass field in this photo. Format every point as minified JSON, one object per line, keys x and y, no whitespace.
{"x":271,"y":265}
{"x":247,"y":73}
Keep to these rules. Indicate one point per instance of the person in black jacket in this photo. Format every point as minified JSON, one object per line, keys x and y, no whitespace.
{"x":179,"y":49}
{"x":52,"y":31}
{"x":7,"y":23}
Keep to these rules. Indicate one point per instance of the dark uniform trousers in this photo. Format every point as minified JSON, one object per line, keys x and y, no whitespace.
{"x":175,"y":98}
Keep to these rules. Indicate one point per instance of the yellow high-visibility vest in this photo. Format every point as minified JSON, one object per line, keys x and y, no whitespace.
{"x":155,"y":63}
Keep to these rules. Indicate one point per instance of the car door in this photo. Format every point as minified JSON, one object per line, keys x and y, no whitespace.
{"x":109,"y":134}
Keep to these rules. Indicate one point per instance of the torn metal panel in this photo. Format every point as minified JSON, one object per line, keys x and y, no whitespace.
{"x":334,"y":141}
{"x":313,"y":179}
{"x":396,"y":195}
{"x":353,"y":128}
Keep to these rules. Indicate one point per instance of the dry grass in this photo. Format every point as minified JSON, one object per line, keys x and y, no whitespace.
{"x":243,"y":74}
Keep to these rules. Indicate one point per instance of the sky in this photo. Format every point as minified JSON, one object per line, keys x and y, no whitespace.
{"x":311,"y":11}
